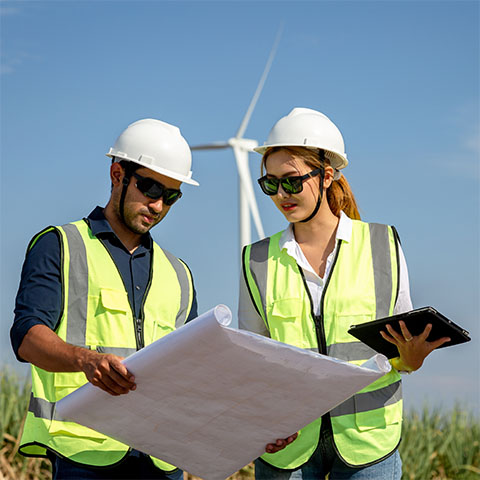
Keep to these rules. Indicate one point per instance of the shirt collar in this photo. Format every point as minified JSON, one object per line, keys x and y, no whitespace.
{"x":287,"y":239}
{"x":99,"y":226}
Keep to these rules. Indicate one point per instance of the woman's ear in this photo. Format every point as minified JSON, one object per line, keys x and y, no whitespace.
{"x":328,"y":178}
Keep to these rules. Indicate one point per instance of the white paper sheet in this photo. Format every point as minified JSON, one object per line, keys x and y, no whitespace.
{"x":209,"y":397}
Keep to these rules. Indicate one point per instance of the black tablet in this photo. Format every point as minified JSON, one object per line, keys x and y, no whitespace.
{"x":416,"y":321}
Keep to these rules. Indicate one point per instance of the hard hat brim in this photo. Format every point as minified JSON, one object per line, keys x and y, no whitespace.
{"x":168,"y":173}
{"x":340,"y":160}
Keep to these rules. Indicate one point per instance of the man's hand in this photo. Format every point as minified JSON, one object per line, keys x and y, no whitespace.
{"x":280,"y":444}
{"x":107,"y":372}
{"x":412,"y":350}
{"x":42,"y":347}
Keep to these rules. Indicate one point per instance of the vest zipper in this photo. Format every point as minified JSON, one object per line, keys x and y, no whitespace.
{"x":138,"y":332}
{"x":140,"y":329}
{"x":322,"y":300}
{"x":322,"y":347}
{"x":321,"y":340}
{"x":137,"y":322}
{"x":318,"y":319}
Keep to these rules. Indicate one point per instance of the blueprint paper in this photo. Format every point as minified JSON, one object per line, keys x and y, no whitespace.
{"x":209,"y":398}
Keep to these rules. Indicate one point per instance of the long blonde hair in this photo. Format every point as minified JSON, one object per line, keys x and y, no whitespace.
{"x":339,"y":194}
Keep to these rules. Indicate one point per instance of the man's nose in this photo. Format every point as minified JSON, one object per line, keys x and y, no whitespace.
{"x":156,"y":205}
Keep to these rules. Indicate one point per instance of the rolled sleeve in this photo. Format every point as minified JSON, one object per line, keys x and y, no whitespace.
{"x":39,"y":298}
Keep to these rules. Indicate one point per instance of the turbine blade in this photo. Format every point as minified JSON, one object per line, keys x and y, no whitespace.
{"x":241,"y":157}
{"x":211,"y":146}
{"x":258,"y":91}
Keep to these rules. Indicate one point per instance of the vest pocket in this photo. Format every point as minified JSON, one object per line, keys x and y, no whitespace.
{"x":338,"y":330}
{"x":114,"y":300}
{"x":65,"y":383}
{"x":160,"y":329}
{"x":379,"y":417}
{"x":71,"y":429}
{"x":110,"y":322}
{"x":369,"y":420}
{"x":286,"y":323}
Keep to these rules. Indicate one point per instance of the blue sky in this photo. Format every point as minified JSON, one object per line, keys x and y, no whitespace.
{"x":400,"y":79}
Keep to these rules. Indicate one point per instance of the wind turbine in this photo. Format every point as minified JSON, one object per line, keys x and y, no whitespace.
{"x":241,"y":148}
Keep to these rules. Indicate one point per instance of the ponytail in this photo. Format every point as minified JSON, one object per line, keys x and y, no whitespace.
{"x":340,"y":197}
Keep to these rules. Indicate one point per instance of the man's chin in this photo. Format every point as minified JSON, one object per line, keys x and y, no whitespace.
{"x":139,"y":229}
{"x":140,"y":226}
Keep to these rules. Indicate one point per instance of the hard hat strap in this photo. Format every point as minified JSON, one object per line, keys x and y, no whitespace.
{"x":320,"y":195}
{"x":126,"y":180}
{"x":315,"y":210}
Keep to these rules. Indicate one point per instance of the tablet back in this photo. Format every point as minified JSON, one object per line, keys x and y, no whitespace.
{"x":416,"y":321}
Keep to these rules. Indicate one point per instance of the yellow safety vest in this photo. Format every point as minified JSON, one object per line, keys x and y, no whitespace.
{"x":97,"y":315}
{"x":362,"y":286}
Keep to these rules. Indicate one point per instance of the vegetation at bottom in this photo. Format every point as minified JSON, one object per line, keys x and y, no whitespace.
{"x":437,"y":444}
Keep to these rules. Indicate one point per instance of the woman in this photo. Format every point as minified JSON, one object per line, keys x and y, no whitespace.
{"x":306,"y":285}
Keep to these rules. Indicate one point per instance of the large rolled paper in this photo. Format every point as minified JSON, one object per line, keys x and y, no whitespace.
{"x":209,"y":398}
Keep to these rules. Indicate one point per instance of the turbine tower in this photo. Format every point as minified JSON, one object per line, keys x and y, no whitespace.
{"x":241,"y":148}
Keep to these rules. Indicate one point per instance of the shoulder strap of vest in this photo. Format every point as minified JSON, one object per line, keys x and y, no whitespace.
{"x":385,"y":267}
{"x":33,"y":241}
{"x":77,"y":302}
{"x":185,"y":280}
{"x":255,"y":271}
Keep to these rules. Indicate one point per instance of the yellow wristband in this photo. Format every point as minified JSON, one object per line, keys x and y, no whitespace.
{"x":399,"y":366}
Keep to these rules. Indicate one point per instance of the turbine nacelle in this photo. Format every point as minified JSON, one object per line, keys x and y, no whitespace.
{"x":243,"y":143}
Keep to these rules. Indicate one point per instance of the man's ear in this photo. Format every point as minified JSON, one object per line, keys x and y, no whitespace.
{"x":116,"y":174}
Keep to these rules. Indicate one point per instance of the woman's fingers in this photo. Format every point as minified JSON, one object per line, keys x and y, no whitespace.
{"x":388,"y":338}
{"x":408,"y":337}
{"x":424,"y":335}
{"x":280,"y":443}
{"x":439,"y":342}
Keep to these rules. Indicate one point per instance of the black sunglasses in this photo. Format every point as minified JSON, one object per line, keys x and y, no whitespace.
{"x":153,"y":189}
{"x":269,"y":185}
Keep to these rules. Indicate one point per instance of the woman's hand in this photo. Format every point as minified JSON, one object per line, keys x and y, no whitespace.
{"x":412,"y":350}
{"x":280,"y":444}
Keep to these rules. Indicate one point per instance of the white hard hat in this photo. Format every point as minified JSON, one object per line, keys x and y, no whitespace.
{"x":156,"y":145}
{"x":304,"y":127}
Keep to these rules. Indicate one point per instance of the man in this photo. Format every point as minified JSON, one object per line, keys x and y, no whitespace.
{"x":95,"y":291}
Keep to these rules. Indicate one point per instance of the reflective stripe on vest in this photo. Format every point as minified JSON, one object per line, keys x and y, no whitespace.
{"x":82,"y":300}
{"x":366,"y":267}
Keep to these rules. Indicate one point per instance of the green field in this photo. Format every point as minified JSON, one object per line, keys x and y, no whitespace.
{"x":437,"y":444}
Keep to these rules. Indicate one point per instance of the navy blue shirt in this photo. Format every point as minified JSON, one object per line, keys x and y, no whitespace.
{"x":39,"y":297}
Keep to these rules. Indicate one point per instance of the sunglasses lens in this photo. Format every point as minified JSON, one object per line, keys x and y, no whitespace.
{"x":292,"y":185}
{"x":150,"y":188}
{"x":269,"y":185}
{"x":155,"y":190}
{"x":171,"y":196}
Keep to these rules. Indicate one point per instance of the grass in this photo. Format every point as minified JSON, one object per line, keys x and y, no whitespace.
{"x":437,"y":444}
{"x":441,"y":445}
{"x":14,"y":396}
